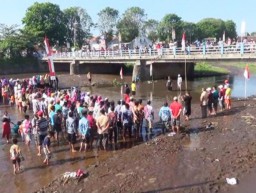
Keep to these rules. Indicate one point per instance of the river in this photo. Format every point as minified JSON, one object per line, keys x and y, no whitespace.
{"x":36,"y":175}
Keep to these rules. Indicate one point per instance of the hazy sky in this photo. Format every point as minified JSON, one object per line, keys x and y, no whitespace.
{"x":12,"y":11}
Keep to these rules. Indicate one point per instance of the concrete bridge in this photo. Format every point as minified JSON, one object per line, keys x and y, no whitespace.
{"x":164,"y":62}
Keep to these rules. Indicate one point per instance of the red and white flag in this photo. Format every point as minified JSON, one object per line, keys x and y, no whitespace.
{"x":246,"y":72}
{"x":183,"y":42}
{"x":50,"y":57}
{"x":121,"y":73}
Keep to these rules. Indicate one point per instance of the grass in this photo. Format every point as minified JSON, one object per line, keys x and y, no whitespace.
{"x":252,"y":66}
{"x":205,"y":69}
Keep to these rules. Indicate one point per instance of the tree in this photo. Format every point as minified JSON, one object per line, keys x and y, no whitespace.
{"x":14,"y":43}
{"x":131,"y":23}
{"x":45,"y":19}
{"x":107,"y":22}
{"x":253,"y":34}
{"x":136,"y":15}
{"x":170,"y":24}
{"x":191,"y":31}
{"x":230,"y":29}
{"x":150,"y":29}
{"x":78,"y":24}
{"x":127,"y":29}
{"x":211,"y":27}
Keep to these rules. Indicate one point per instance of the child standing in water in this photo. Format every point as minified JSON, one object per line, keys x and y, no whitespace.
{"x":15,"y":156}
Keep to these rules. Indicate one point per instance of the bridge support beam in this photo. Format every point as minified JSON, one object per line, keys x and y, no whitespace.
{"x":140,"y":71}
{"x":74,"y":67}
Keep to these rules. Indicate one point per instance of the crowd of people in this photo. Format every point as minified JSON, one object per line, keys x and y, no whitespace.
{"x":92,"y":120}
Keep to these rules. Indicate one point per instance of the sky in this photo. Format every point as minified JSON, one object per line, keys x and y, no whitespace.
{"x":12,"y":11}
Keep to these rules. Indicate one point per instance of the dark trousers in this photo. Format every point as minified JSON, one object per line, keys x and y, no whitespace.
{"x":204,"y":111}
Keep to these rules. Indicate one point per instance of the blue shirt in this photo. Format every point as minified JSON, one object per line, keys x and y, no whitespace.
{"x":51,"y":115}
{"x":83,"y":126}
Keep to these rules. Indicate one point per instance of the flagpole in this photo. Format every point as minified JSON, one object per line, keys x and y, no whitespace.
{"x":186,"y":84}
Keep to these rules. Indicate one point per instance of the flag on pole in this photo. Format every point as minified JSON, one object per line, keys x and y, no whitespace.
{"x":50,"y":57}
{"x":151,"y":69}
{"x":224,"y":37}
{"x":246,"y":72}
{"x":183,"y":42}
{"x":243,"y":28}
{"x":121,"y":73}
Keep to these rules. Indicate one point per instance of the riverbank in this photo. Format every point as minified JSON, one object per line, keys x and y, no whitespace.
{"x":197,"y":160}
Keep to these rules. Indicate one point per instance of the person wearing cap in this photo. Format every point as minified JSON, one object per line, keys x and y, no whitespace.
{"x":221,"y":97}
{"x":228,"y":97}
{"x":41,"y":127}
{"x":179,"y":82}
{"x":203,"y":102}
{"x":176,"y":109}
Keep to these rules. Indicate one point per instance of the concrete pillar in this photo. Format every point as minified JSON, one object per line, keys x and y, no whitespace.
{"x":140,"y":71}
{"x":74,"y":67}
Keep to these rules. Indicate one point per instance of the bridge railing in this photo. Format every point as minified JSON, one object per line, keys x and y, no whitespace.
{"x":239,"y":49}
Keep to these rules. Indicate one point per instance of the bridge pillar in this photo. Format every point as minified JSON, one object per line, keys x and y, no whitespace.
{"x":140,"y":71}
{"x":74,"y":67}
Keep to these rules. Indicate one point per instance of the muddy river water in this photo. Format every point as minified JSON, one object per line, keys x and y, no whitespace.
{"x":36,"y":175}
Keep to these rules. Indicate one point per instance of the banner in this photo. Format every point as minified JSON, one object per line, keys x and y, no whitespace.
{"x":183,"y":42}
{"x":121,"y":73}
{"x":246,"y":72}
{"x":50,"y":57}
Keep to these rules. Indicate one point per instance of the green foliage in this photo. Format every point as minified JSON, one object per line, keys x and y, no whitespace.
{"x":107,"y":22}
{"x":78,"y":24}
{"x":170,"y":23}
{"x":150,"y":29}
{"x":45,"y":19}
{"x":204,"y":68}
{"x":127,"y":29}
{"x":131,"y":24}
{"x":210,"y":27}
{"x":230,"y":29}
{"x":15,"y":43}
{"x":191,"y":31}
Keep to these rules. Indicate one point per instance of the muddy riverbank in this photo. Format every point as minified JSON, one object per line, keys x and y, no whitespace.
{"x":197,"y":160}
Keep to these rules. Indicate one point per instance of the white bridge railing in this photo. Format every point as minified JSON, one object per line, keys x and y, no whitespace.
{"x":210,"y":51}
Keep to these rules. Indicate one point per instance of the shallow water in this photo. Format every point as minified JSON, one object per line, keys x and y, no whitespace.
{"x":36,"y":175}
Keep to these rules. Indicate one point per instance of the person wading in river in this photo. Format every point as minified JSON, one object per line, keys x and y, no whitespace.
{"x":203,"y":102}
{"x":176,"y":109}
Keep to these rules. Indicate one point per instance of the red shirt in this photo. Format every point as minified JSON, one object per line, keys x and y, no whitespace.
{"x":91,"y":121}
{"x":126,"y":98}
{"x":175,"y":108}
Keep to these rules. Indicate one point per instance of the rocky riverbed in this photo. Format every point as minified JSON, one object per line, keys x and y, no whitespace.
{"x":198,"y":160}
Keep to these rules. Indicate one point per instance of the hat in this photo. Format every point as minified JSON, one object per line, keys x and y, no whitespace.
{"x":88,"y":93}
{"x":178,"y":74}
{"x":220,"y":86}
{"x":40,"y":113}
{"x":175,"y":98}
{"x":208,"y":89}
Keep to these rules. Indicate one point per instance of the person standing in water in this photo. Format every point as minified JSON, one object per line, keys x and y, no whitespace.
{"x":179,"y":82}
{"x":169,"y":83}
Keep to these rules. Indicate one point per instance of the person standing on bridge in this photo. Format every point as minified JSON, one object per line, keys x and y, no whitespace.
{"x":179,"y":82}
{"x":89,"y":77}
